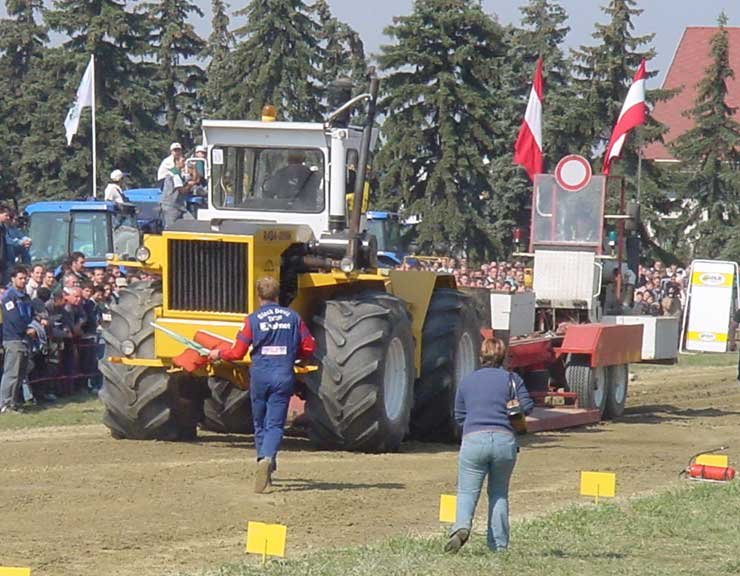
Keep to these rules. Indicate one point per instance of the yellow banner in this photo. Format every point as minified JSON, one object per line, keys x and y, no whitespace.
{"x":706,"y":336}
{"x":712,"y":279}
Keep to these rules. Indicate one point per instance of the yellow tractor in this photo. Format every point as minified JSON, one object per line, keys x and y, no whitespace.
{"x":391,"y":346}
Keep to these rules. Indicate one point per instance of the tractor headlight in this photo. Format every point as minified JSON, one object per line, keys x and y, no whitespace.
{"x":347,"y":265}
{"x":128,"y":347}
{"x":142,"y":254}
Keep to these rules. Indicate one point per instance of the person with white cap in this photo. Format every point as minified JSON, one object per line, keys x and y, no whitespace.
{"x":114,"y":191}
{"x":169,"y":162}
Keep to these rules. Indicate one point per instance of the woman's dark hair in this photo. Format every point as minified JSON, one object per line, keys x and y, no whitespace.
{"x":492,"y":352}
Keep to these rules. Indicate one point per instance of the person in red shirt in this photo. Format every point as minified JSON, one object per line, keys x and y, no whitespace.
{"x":278,"y":337}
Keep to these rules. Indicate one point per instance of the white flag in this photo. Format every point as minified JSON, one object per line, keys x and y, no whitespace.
{"x":84,"y":98}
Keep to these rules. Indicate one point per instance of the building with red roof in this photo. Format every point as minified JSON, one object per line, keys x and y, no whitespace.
{"x":689,"y":64}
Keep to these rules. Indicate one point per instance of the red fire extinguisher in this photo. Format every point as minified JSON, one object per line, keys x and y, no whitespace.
{"x":709,"y":473}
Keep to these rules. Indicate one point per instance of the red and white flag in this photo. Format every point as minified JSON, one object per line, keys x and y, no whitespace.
{"x":634,"y":113}
{"x":528,"y":147}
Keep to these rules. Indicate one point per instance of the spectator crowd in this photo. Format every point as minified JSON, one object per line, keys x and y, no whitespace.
{"x":51,"y":324}
{"x":660,"y":290}
{"x":499,"y":276}
{"x":657,"y":290}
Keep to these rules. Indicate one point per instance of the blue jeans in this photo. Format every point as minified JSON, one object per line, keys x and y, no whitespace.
{"x":482,"y":454}
{"x":270,"y":395}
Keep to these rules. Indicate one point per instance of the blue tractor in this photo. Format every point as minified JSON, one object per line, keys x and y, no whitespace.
{"x":95,"y":228}
{"x":393,"y":236}
{"x":92,"y":227}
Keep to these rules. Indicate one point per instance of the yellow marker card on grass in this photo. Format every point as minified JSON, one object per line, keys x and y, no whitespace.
{"x":8,"y":571}
{"x":447,"y":508}
{"x":266,"y":539}
{"x":598,"y":484}
{"x":719,"y":460}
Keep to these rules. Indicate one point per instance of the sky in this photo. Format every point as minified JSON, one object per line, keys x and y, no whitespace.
{"x":666,"y":18}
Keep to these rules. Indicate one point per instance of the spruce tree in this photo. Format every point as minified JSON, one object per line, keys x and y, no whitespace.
{"x":276,"y":62}
{"x":175,"y":43}
{"x":217,"y":50}
{"x":343,"y":53}
{"x":605,"y":68}
{"x":709,"y":153}
{"x":128,"y":135}
{"x":542,"y":34}
{"x":22,"y":42}
{"x":506,"y":203}
{"x":604,"y":72}
{"x":439,"y":133}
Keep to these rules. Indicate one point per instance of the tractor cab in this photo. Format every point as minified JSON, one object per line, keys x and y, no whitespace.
{"x":392,"y":235}
{"x":92,"y":227}
{"x":287,"y":172}
{"x":576,"y":253}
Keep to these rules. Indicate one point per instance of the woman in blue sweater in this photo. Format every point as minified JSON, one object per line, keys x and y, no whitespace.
{"x":488,"y":447}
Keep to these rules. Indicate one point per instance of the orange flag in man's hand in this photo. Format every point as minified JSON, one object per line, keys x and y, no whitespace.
{"x":190,"y":360}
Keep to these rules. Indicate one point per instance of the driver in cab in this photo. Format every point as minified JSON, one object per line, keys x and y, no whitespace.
{"x":290,"y":182}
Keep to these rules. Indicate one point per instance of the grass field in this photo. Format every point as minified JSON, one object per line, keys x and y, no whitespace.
{"x":72,"y":411}
{"x":686,"y":531}
{"x":690,"y":360}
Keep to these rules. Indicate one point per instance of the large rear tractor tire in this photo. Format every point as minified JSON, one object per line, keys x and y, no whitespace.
{"x":228,"y":409}
{"x":449,"y":351}
{"x":143,"y":402}
{"x":361,"y":397}
{"x":590,"y":384}
{"x":616,"y":394}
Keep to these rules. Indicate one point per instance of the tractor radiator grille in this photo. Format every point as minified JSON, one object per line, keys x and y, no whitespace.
{"x":207,"y":276}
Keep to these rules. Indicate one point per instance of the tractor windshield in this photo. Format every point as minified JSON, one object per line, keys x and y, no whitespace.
{"x":90,"y":234}
{"x":564,"y":217}
{"x":50,"y":233}
{"x":268,"y":179}
{"x":388,"y":234}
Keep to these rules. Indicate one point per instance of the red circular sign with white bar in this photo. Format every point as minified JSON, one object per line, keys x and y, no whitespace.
{"x":573,"y":172}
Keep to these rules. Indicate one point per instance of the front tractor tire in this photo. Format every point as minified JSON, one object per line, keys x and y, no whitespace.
{"x":360,"y":399}
{"x":450,"y":346}
{"x":143,"y":402}
{"x":228,"y":409}
{"x":589,"y":384}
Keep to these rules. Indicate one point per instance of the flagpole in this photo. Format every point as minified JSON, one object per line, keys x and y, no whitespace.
{"x":639,"y":170}
{"x":94,"y":147}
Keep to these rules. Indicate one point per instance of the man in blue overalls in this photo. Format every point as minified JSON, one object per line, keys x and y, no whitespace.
{"x":17,"y":316}
{"x":278,"y":337}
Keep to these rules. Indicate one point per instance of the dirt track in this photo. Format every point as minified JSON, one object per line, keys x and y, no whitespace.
{"x":75,"y":502}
